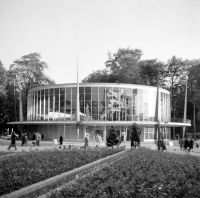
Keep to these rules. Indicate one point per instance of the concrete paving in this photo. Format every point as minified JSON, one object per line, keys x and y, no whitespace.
{"x":50,"y":145}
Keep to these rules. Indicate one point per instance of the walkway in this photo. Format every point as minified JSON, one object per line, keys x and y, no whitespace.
{"x":50,"y":145}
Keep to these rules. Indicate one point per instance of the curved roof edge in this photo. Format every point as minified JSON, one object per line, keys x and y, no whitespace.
{"x":97,"y":85}
{"x":99,"y":123}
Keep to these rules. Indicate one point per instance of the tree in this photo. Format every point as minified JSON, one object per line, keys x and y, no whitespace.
{"x":135,"y":136}
{"x":194,"y":88}
{"x":2,"y":80}
{"x":112,"y":139}
{"x":102,"y":76}
{"x":176,"y":74}
{"x":149,"y":72}
{"x":28,"y":72}
{"x":124,"y":65}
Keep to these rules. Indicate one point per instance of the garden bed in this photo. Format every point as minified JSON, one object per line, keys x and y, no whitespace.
{"x":140,"y":173}
{"x":18,"y":171}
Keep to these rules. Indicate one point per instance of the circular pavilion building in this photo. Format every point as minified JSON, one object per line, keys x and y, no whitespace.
{"x":76,"y":109}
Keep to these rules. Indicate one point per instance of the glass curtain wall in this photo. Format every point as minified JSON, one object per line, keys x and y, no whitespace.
{"x":97,"y":104}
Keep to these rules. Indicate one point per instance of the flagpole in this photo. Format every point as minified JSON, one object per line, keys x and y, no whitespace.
{"x":185,"y":108}
{"x":77,"y":103}
{"x":157,"y":126}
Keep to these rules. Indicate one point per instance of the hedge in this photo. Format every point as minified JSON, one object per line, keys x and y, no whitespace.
{"x":21,"y":170}
{"x":141,"y":173}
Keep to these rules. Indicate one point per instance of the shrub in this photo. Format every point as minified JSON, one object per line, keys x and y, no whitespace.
{"x":135,"y":136}
{"x":23,"y":169}
{"x":140,"y":173}
{"x":112,"y":139}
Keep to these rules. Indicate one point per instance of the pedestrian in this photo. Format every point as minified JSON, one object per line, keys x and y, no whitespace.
{"x":191,"y":144}
{"x":86,"y":141}
{"x":94,"y":140}
{"x":34,"y":139}
{"x":123,"y":136}
{"x":39,"y":139}
{"x":177,"y":136}
{"x":61,"y":141}
{"x":97,"y":139}
{"x":42,"y":136}
{"x":187,"y":145}
{"x":23,"y":138}
{"x":13,"y":140}
{"x":163,"y":145}
{"x":181,"y":141}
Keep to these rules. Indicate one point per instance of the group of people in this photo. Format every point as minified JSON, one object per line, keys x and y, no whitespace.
{"x":186,"y":144}
{"x":36,"y":139}
{"x":97,"y":140}
{"x":24,"y":139}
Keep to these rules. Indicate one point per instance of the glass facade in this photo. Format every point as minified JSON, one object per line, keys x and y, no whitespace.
{"x":98,"y":103}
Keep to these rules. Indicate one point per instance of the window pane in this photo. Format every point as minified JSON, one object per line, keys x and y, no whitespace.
{"x":74,"y":96}
{"x":94,"y":103}
{"x":87,"y":96}
{"x":62,"y":91}
{"x":74,"y":90}
{"x":56,"y":91}
{"x":68,"y":97}
{"x":95,"y":97}
{"x":94,"y":89}
{"x":101,"y":90}
{"x":68,"y":90}
{"x":87,"y":89}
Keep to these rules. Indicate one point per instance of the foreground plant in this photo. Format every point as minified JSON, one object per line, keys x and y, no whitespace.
{"x":23,"y":169}
{"x":140,"y":173}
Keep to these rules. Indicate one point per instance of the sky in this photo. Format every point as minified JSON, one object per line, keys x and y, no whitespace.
{"x":68,"y":33}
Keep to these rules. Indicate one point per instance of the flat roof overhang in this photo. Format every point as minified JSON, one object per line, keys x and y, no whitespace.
{"x":99,"y":123}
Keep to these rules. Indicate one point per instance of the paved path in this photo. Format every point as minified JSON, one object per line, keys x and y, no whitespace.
{"x":50,"y":145}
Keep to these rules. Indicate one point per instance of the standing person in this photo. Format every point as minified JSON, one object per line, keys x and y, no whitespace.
{"x":97,"y":139}
{"x":187,"y":145}
{"x":86,"y":141}
{"x":181,"y":141}
{"x":61,"y":141}
{"x":191,"y":144}
{"x":13,"y":142}
{"x":42,"y":136}
{"x":23,"y":138}
{"x":94,"y":140}
{"x":163,"y":145}
{"x":39,"y":139}
{"x":34,"y":139}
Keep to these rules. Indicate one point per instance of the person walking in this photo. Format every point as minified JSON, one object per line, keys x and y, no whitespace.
{"x":42,"y":136}
{"x":25,"y":139}
{"x":94,"y":140}
{"x":86,"y":141}
{"x":181,"y":141}
{"x":191,"y":144}
{"x":163,"y":145}
{"x":39,"y":139}
{"x":13,"y":140}
{"x":61,"y":141}
{"x":187,"y":145}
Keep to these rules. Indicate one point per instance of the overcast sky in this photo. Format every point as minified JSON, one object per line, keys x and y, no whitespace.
{"x":58,"y":29}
